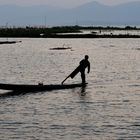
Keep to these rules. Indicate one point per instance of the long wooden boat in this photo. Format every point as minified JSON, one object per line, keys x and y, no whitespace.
{"x":39,"y":87}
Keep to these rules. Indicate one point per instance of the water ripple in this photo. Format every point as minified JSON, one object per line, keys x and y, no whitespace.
{"x":107,"y":109}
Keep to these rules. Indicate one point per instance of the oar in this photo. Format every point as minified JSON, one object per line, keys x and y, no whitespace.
{"x":73,"y":74}
{"x":65,"y":80}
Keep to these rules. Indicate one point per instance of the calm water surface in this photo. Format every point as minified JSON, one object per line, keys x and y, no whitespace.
{"x":107,"y":109}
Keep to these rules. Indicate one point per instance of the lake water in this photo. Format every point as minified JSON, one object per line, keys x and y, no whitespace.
{"x":107,"y":109}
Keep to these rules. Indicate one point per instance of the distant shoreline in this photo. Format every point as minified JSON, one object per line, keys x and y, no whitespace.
{"x":91,"y":36}
{"x":71,"y":32}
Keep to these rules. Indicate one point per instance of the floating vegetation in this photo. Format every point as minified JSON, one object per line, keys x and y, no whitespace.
{"x":61,"y":48}
{"x":64,"y":47}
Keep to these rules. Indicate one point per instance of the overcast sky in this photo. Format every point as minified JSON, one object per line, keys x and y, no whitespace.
{"x":61,"y":3}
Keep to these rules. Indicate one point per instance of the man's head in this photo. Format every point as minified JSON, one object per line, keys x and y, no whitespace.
{"x":86,"y":57}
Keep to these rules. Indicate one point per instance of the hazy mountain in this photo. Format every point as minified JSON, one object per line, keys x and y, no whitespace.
{"x":88,"y":14}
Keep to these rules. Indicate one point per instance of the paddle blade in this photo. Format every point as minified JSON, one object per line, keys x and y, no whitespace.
{"x":64,"y":80}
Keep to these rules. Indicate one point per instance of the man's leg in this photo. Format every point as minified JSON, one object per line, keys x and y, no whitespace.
{"x":83,"y":77}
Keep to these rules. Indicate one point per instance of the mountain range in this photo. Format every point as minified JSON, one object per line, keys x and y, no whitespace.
{"x":92,"y":13}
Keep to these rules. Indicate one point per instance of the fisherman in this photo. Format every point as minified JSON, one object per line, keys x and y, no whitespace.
{"x":81,"y":68}
{"x":83,"y":65}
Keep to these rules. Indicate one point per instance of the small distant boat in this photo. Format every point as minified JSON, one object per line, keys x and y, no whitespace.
{"x":9,"y":42}
{"x":39,"y":87}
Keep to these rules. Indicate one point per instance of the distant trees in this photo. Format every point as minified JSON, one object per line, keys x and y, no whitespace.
{"x":46,"y":32}
{"x":36,"y":31}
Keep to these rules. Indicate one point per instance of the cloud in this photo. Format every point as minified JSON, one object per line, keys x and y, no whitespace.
{"x":115,"y":2}
{"x":61,"y":3}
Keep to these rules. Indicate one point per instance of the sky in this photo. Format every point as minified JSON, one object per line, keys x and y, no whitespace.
{"x":61,"y":3}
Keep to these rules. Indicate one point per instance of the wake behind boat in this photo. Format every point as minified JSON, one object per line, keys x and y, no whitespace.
{"x":39,"y":87}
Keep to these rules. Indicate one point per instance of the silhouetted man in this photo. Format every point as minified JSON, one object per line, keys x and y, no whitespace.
{"x":83,"y":65}
{"x":81,"y":68}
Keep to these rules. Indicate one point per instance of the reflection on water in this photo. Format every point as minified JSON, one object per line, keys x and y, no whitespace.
{"x":107,"y":108}
{"x":83,"y":90}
